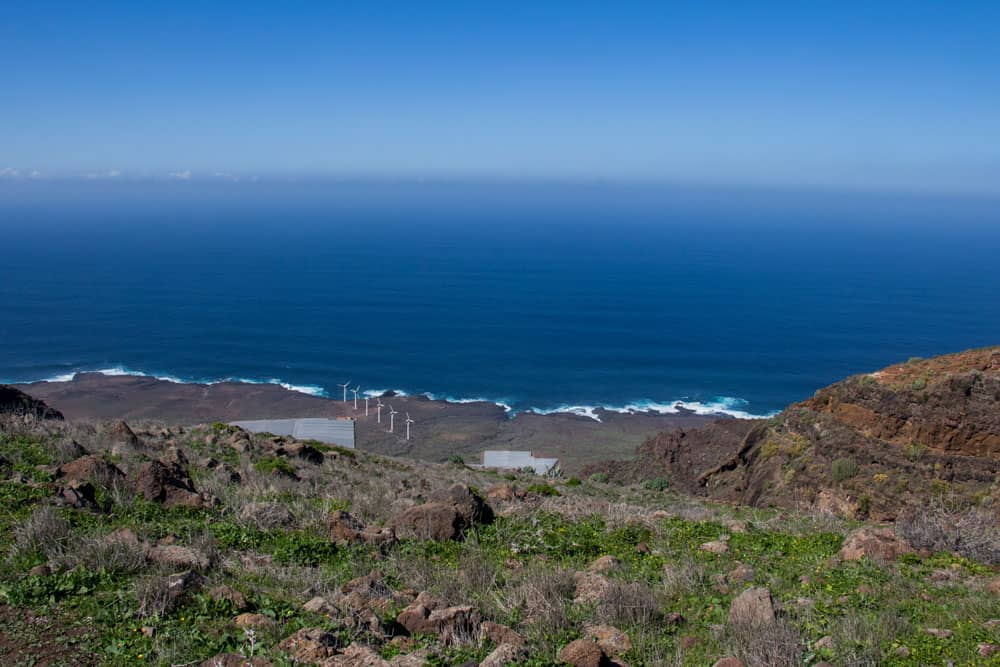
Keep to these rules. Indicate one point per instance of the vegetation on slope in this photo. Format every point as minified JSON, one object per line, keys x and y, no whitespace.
{"x":249,"y":546}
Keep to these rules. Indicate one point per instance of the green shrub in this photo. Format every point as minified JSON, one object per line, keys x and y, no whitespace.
{"x":656,"y":484}
{"x":573,"y":481}
{"x":270,"y":465}
{"x":599,"y":478}
{"x":543,"y":490}
{"x":456,"y":459}
{"x":843,"y":468}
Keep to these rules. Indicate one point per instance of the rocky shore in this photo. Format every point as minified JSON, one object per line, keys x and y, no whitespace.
{"x":442,"y":429}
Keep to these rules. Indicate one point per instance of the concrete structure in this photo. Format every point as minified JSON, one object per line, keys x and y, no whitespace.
{"x":505,"y":459}
{"x":331,"y":431}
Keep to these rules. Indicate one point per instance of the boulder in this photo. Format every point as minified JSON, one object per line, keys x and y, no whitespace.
{"x":613,"y":642}
{"x":715,"y":547}
{"x":880,"y":544}
{"x":753,"y":607}
{"x":310,"y":645}
{"x":590,"y":587}
{"x":469,"y":505}
{"x":81,"y":495}
{"x":230,"y":595}
{"x":427,"y":615}
{"x":501,"y":492}
{"x":302,"y":451}
{"x":176,"y":556}
{"x":605,"y":564}
{"x":121,"y":434}
{"x":582,"y":653}
{"x":500,"y":634}
{"x":168,"y":482}
{"x":319,"y":605}
{"x":356,"y":655}
{"x":503,"y":655}
{"x":247,"y":620}
{"x":430,"y":521}
{"x":345,"y":527}
{"x":89,"y":468}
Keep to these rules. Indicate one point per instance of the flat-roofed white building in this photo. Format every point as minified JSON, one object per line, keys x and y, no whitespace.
{"x":338,"y":432}
{"x":506,"y":459}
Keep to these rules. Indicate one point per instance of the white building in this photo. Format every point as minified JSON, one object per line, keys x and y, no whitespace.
{"x":505,"y":459}
{"x":338,"y":432}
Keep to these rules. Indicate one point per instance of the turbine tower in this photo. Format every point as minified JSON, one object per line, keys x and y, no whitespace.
{"x":366,"y":406}
{"x":408,"y":422}
{"x":355,"y":392}
{"x":345,"y":386}
{"x":392,"y":417}
{"x":379,"y":404}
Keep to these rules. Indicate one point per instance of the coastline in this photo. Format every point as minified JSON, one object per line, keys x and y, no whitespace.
{"x":443,"y":427}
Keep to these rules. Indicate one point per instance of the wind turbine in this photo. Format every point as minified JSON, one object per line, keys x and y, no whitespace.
{"x":392,"y":417}
{"x":366,"y":406}
{"x":408,"y":422}
{"x":379,"y":404}
{"x":345,"y":386}
{"x":355,"y":392}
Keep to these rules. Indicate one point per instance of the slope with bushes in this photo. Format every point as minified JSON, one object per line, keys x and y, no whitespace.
{"x":134,"y":544}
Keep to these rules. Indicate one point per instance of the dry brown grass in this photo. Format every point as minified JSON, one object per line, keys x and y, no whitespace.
{"x":43,"y":532}
{"x":775,"y":644}
{"x":973,"y":532}
{"x":628,"y":604}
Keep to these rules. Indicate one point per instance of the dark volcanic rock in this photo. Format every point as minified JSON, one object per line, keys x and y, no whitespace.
{"x":15,"y":401}
{"x":167,"y":481}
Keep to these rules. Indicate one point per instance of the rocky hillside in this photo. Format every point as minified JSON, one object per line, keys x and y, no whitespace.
{"x":877,"y":445}
{"x":126,"y":544}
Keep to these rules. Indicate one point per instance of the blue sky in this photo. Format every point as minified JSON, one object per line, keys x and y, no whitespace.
{"x":901,"y":95}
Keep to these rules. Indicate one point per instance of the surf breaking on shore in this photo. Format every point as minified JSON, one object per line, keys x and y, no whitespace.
{"x":722,"y":405}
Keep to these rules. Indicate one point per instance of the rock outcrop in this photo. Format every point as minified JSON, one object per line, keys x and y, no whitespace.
{"x":871,"y":446}
{"x":16,"y":402}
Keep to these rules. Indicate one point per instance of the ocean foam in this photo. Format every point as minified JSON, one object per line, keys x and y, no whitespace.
{"x":500,"y":403}
{"x":721,"y":406}
{"x":121,"y":371}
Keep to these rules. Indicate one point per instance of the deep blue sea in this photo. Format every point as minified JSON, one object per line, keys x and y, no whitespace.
{"x":542,"y":296}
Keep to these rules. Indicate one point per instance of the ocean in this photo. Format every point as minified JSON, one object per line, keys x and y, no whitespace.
{"x":540,"y":297}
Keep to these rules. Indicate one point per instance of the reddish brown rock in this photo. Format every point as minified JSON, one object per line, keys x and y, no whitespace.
{"x":427,"y":615}
{"x":605,"y":564}
{"x":430,"y":521}
{"x":582,"y":653}
{"x":91,"y":468}
{"x":880,"y":544}
{"x":613,"y":642}
{"x":500,"y":634}
{"x":310,"y":645}
{"x":179,"y":557}
{"x":752,"y":607}
{"x":247,"y":620}
{"x":168,"y":482}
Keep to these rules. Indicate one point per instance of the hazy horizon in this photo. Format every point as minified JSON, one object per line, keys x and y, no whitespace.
{"x":887,"y":97}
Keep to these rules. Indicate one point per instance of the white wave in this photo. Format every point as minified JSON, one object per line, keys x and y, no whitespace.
{"x":65,"y":377}
{"x":723,"y":405}
{"x":375,"y":393}
{"x":500,"y":403}
{"x":121,"y":371}
{"x":589,"y":411}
